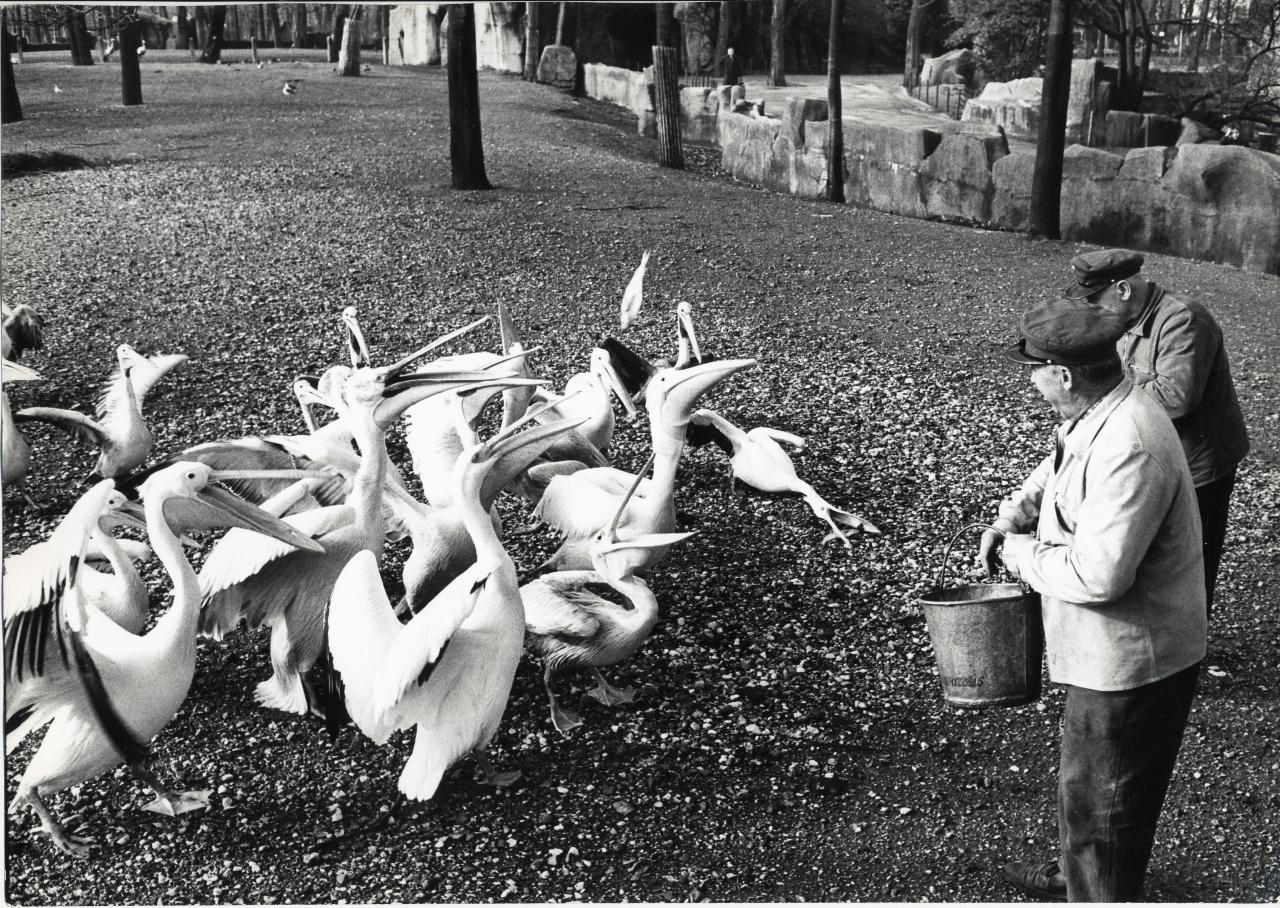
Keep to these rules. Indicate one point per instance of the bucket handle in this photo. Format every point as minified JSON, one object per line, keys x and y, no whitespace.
{"x":942,"y":568}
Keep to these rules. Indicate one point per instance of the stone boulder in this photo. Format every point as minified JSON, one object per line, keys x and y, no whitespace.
{"x":955,"y":181}
{"x":952,"y":68}
{"x":1012,"y":106}
{"x":699,"y":108}
{"x":1162,"y":130}
{"x":1125,"y":129}
{"x":558,"y":66}
{"x":748,"y":150}
{"x":697,"y":23}
{"x":1087,"y":101}
{"x":1012,"y":176}
{"x":882,"y":166}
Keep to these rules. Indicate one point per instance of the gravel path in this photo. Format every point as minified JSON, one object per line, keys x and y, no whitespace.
{"x":789,"y":741}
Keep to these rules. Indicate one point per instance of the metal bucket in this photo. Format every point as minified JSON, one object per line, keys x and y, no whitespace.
{"x":988,"y":640}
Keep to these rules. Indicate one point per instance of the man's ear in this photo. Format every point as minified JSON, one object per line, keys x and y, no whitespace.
{"x":1068,"y":380}
{"x":1124,"y":289}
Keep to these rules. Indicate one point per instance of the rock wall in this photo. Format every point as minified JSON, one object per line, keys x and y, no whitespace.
{"x":1197,"y":201}
{"x":417,"y":34}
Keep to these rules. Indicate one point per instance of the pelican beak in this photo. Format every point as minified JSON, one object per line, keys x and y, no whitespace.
{"x":683,"y":388}
{"x":513,"y":364}
{"x":684,"y":328}
{"x":509,"y":443}
{"x":305,"y":392}
{"x":602,"y":366}
{"x":396,"y":368}
{"x":14,"y":372}
{"x":129,"y":514}
{"x":355,"y":339}
{"x":230,"y":510}
{"x":411,"y":389}
{"x":507,"y":329}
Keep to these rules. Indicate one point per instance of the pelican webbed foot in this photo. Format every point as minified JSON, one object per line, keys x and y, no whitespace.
{"x":492,"y":776}
{"x":564,"y":720}
{"x":74,"y":845}
{"x":608,"y":695}
{"x":172,"y":804}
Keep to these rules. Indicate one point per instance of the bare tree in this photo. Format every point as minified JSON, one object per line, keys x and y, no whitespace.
{"x":298,"y":18}
{"x":915,"y":25}
{"x":212,"y":51}
{"x":778,"y":44}
{"x":1046,"y":179}
{"x":466,"y":145}
{"x":531,"y":41}
{"x":78,"y":37}
{"x":560,"y":17}
{"x":835,"y":110}
{"x":10,"y":104}
{"x":340,"y":13}
{"x":128,"y":32}
{"x":349,"y":55}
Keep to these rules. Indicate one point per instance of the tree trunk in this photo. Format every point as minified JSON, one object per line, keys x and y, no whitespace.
{"x":835,"y":111}
{"x":10,"y":104}
{"x":200,"y":16}
{"x":212,"y":52}
{"x":78,"y":37}
{"x":778,"y":44}
{"x":560,"y":17}
{"x":915,"y":26}
{"x":722,"y":36}
{"x":466,"y":146}
{"x":1046,"y":179}
{"x":340,"y":13}
{"x":349,"y":58}
{"x":130,"y":70}
{"x":662,"y":25}
{"x":299,"y":27}
{"x":1202,"y":30}
{"x":531,"y":41}
{"x":666,"y":105}
{"x":232,"y":25}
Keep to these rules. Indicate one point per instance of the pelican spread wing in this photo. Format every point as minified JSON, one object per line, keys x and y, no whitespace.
{"x":77,"y":424}
{"x":575,"y":506}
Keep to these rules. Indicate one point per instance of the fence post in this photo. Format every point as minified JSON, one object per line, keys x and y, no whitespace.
{"x":253,"y":49}
{"x":191,"y":45}
{"x":666,"y":105}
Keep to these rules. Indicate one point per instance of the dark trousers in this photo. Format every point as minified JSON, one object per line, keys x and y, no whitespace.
{"x":1118,"y":751}
{"x":1212,"y":500}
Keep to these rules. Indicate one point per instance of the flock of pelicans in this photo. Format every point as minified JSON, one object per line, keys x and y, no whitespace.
{"x":307,"y":519}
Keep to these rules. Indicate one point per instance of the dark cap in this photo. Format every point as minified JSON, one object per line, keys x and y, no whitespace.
{"x":1096,"y":271}
{"x":1066,"y":332}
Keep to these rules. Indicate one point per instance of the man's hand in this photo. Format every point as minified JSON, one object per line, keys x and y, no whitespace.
{"x":1014,"y":544}
{"x":988,"y":549}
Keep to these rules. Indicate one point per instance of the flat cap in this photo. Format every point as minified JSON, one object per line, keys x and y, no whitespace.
{"x":1096,"y":271}
{"x":1066,"y":332}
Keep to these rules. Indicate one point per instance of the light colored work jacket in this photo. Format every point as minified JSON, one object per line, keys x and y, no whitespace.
{"x":1118,"y":560}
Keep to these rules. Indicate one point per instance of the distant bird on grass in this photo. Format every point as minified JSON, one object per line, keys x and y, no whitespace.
{"x":142,"y":49}
{"x":57,"y":90}
{"x":290,"y":88}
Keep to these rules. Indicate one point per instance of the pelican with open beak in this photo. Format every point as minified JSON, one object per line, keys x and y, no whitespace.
{"x":128,"y":687}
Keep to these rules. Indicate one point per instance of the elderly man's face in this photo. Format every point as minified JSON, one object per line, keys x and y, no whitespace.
{"x":1054,"y":384}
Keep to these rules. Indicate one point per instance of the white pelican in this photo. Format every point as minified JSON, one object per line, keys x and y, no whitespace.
{"x":144,"y":373}
{"x":288,"y":590}
{"x":633,"y":296}
{"x":144,"y":678}
{"x":23,"y":331}
{"x":290,"y":88}
{"x":449,"y":670}
{"x":591,"y":394}
{"x":756,"y":458}
{"x":15,"y":450}
{"x":142,"y":48}
{"x":569,"y":625}
{"x":582,"y":504}
{"x":120,"y":431}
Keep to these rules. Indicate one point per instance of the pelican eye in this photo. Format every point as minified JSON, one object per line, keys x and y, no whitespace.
{"x":191,"y":476}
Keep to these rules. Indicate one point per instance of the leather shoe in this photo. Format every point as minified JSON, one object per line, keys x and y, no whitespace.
{"x":1044,"y":881}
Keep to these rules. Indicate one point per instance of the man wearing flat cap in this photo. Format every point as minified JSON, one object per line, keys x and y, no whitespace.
{"x":1105,"y":529}
{"x":1172,"y":349}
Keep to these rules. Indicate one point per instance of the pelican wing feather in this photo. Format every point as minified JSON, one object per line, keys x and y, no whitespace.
{"x":560,"y":605}
{"x":576,"y":506}
{"x":77,"y":424}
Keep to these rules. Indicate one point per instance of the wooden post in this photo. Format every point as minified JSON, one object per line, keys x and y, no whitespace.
{"x":349,"y":55}
{"x":666,"y":104}
{"x":253,"y":49}
{"x":130,"y":69}
{"x":191,"y":43}
{"x":531,"y":41}
{"x":835,"y":111}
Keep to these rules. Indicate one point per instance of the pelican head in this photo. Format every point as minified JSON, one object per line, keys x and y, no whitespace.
{"x":190,"y":502}
{"x":508,"y":453}
{"x":119,"y":511}
{"x":684,"y":330}
{"x":672,"y":395}
{"x":602,"y":368}
{"x":307,"y":396}
{"x":356,"y":345}
{"x":128,"y":357}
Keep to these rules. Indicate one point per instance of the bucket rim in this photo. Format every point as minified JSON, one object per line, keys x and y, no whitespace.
{"x":1010,"y":593}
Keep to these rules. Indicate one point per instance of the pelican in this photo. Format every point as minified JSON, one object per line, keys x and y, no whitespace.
{"x":633,"y":296}
{"x":145,"y":678}
{"x":290,"y":88}
{"x":583,"y":504}
{"x":38,"y":580}
{"x":592,"y":394}
{"x":142,"y":48}
{"x":449,"y":670}
{"x":119,"y":431}
{"x":143,"y":375}
{"x":288,"y":590}
{"x":569,"y":625}
{"x":23,"y":331}
{"x":15,"y":450}
{"x":757,"y":459}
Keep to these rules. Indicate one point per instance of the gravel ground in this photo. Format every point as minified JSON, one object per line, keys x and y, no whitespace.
{"x":789,"y":741}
